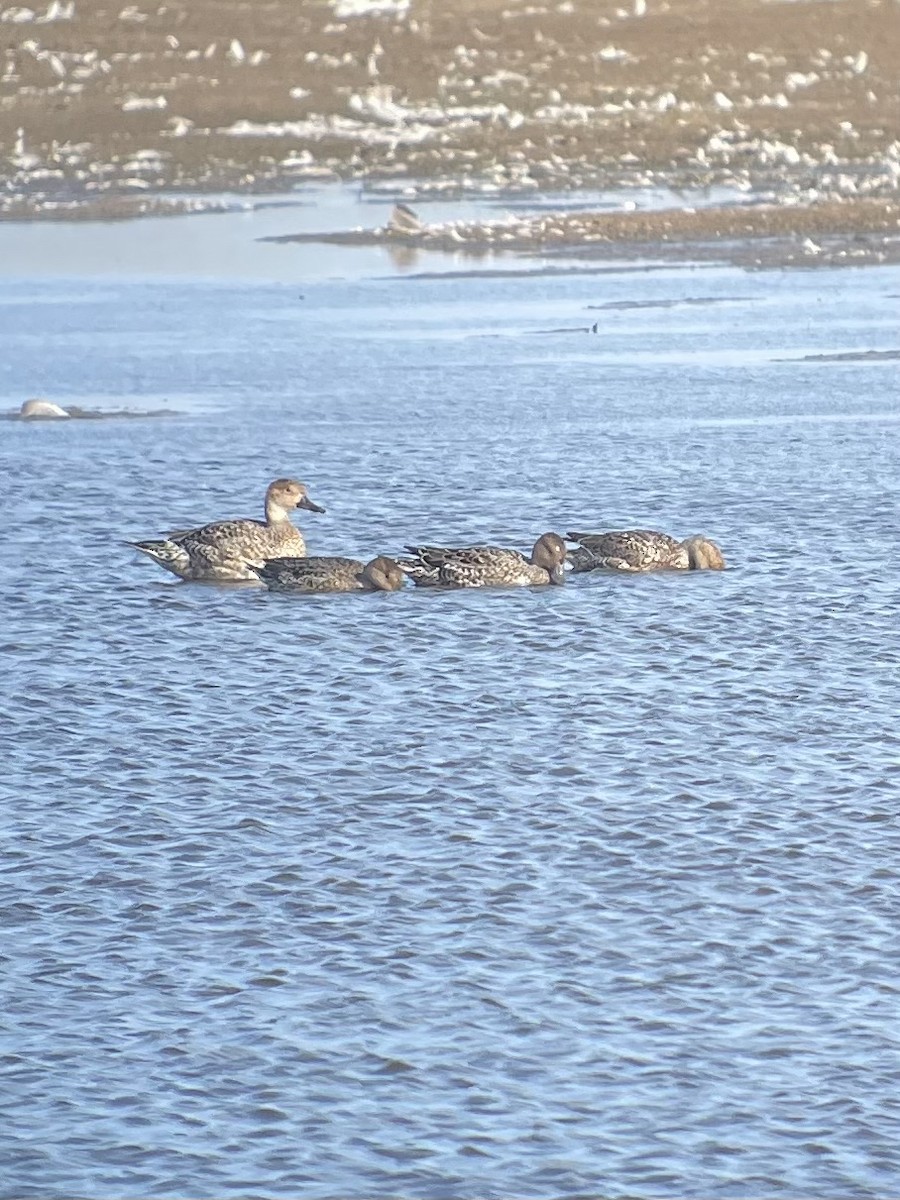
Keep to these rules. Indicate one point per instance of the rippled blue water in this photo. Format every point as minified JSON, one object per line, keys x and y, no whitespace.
{"x":587,"y":891}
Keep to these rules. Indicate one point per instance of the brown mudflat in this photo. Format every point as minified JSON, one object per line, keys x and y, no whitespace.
{"x":109,"y":105}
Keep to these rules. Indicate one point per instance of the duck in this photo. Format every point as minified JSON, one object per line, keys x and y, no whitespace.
{"x":220,"y":552}
{"x":486,"y":566}
{"x":324,"y":574}
{"x":643,"y":550}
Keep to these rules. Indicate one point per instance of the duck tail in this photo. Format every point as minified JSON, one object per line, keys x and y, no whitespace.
{"x":161,"y":550}
{"x":420,"y":573}
{"x":168,"y":554}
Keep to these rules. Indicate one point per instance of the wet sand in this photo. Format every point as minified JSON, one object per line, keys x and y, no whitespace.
{"x":792,"y":103}
{"x":211,"y":95}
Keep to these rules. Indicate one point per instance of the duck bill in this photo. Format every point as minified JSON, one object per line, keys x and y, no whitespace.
{"x":310,"y":504}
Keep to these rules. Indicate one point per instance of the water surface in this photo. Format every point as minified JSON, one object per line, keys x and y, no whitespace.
{"x":566,"y":892}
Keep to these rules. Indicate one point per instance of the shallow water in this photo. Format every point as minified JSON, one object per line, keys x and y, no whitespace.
{"x":567,"y":892}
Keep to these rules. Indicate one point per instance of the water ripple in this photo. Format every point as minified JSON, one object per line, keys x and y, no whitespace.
{"x":571,"y":892}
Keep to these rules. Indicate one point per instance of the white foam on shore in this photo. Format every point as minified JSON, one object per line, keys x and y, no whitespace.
{"x":343,"y":9}
{"x":389,"y":122}
{"x":144,"y":103}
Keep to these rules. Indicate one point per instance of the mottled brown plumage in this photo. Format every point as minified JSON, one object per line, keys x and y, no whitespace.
{"x":220,"y":552}
{"x":328,"y":574}
{"x":642,"y":550}
{"x":487,"y":566}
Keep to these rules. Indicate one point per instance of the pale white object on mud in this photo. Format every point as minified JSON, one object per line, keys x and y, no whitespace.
{"x":32,"y":409}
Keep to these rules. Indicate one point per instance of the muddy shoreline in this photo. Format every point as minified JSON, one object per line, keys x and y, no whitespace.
{"x":825,"y":234}
{"x":107,"y":109}
{"x":151,"y":111}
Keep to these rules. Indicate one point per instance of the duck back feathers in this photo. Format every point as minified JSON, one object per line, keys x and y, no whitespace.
{"x":330,"y":574}
{"x":642,"y":550}
{"x":486,"y":566}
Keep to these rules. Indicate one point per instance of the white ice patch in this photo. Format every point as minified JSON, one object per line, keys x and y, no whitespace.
{"x":20,"y":156}
{"x":343,"y":9}
{"x":857,"y":62}
{"x":58,"y":11}
{"x":794,"y":80}
{"x":144,"y":103}
{"x":377,"y":103}
{"x":613,"y":54}
{"x":416,"y":126}
{"x":726,"y":143}
{"x":151,"y":161}
{"x":301,"y":158}
{"x":178,"y":127}
{"x":499,"y":78}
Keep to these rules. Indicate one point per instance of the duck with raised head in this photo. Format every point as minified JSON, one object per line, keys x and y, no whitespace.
{"x":487,"y":566}
{"x":220,"y":552}
{"x":643,"y":550}
{"x":329,"y":574}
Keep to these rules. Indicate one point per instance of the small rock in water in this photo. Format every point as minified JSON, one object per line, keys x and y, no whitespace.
{"x":32,"y":409}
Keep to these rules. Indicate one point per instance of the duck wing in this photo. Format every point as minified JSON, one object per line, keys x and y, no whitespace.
{"x":317,"y":574}
{"x":468,"y":566}
{"x":465,"y":556}
{"x":219,"y":532}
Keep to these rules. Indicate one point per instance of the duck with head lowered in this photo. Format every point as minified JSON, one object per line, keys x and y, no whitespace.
{"x":319,"y":574}
{"x":642,"y":550}
{"x":487,"y":566}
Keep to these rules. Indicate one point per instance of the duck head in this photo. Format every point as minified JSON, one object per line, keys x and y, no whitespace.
{"x":703,"y":554}
{"x":286,"y":494}
{"x":550,"y":553}
{"x":384,"y":574}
